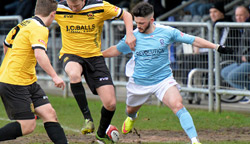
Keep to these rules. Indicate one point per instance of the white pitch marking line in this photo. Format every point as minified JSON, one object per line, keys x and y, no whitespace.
{"x":41,"y":124}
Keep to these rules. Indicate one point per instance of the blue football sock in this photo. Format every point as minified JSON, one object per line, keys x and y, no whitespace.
{"x":187,"y":122}
{"x":132,"y":115}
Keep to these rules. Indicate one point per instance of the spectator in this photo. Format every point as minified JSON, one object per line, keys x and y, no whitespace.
{"x":237,"y":74}
{"x":227,"y":37}
{"x":217,"y":14}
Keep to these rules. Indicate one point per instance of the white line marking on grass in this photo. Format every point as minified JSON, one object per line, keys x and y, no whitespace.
{"x":4,"y":119}
{"x":41,"y":124}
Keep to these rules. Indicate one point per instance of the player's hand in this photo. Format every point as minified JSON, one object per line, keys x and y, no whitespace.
{"x":130,"y":41}
{"x":224,"y":50}
{"x":58,"y":82}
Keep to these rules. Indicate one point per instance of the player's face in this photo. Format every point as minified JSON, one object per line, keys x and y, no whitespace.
{"x":143,"y":24}
{"x":215,"y":14}
{"x":76,"y":6}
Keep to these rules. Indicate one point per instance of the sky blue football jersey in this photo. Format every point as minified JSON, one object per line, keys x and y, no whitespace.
{"x":150,"y":63}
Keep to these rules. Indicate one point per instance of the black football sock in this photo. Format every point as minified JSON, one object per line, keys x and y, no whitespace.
{"x":10,"y":131}
{"x":55,"y":132}
{"x":106,"y":117}
{"x":80,"y":96}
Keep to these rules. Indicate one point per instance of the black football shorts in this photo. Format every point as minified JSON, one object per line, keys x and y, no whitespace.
{"x":20,"y":101}
{"x":95,"y":70}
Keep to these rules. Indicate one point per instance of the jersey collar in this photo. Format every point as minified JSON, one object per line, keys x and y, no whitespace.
{"x":39,"y":20}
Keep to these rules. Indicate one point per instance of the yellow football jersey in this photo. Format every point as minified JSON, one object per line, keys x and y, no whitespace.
{"x":18,"y":67}
{"x":81,"y":32}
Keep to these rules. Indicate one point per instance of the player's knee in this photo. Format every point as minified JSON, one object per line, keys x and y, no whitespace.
{"x":28,"y":126}
{"x":50,"y":115}
{"x":177,"y":106}
{"x":74,"y":77}
{"x":111,"y":106}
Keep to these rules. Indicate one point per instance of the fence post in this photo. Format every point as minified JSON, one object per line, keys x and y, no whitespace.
{"x":217,"y":70}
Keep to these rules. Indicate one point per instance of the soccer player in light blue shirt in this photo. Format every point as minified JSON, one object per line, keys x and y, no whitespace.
{"x":149,"y":69}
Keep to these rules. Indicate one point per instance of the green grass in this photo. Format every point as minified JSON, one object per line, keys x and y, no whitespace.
{"x":151,"y":117}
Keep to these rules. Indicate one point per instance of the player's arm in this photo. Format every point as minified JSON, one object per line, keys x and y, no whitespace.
{"x":111,"y":52}
{"x":179,"y":36}
{"x":44,"y":62}
{"x":130,"y":39}
{"x":5,"y":48}
{"x":202,"y":43}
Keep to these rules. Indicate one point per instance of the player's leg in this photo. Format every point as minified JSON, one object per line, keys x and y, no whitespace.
{"x":132,"y":114}
{"x":132,"y":111}
{"x":51,"y":124}
{"x":74,"y":70}
{"x":107,"y":96}
{"x":167,"y":91}
{"x":16,"y":129}
{"x":46,"y":112}
{"x":137,"y":95}
{"x":100,"y":83}
{"x":173,"y":100}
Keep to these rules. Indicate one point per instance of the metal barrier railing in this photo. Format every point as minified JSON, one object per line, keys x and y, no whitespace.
{"x":218,"y":89}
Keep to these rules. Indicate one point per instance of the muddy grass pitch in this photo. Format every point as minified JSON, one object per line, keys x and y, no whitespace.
{"x":137,"y":136}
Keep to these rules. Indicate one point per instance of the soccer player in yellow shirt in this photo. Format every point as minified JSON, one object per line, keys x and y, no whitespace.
{"x":24,"y":46}
{"x":81,"y":23}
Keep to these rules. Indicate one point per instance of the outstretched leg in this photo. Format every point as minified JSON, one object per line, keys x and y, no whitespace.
{"x":173,"y":100}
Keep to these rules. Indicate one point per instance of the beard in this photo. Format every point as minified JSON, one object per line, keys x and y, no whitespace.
{"x":144,"y":30}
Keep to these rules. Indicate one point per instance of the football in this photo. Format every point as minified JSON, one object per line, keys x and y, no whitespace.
{"x":113,"y":133}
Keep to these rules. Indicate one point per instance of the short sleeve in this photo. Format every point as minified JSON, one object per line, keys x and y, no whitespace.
{"x":182,"y":37}
{"x":39,"y":38}
{"x":111,"y":11}
{"x":123,"y":47}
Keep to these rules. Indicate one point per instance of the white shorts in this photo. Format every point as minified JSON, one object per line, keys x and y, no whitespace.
{"x":139,"y":94}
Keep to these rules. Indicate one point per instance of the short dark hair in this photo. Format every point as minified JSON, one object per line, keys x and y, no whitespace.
{"x":45,"y":7}
{"x":142,"y":9}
